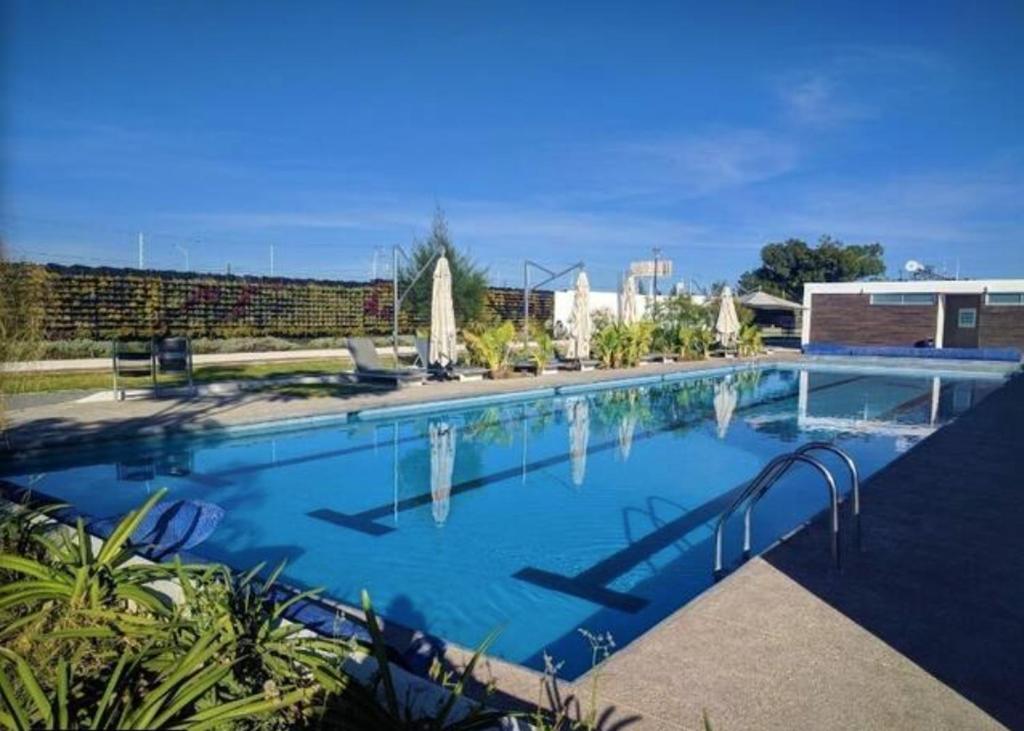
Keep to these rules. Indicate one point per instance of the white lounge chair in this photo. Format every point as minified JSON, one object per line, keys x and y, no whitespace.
{"x":370,"y":369}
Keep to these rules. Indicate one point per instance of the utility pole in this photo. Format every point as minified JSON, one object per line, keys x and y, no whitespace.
{"x":271,"y":260}
{"x":142,"y":246}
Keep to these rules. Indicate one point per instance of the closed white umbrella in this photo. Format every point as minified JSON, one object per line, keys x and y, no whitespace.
{"x":728,"y":324}
{"x":579,"y":320}
{"x":579,"y":436}
{"x":627,"y":305}
{"x":443,"y":337}
{"x":725,"y":405}
{"x":442,"y":465}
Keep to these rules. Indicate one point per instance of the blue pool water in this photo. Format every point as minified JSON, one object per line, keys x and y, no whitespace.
{"x":539,"y":516}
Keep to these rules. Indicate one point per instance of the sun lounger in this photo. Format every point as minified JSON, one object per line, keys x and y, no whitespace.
{"x":578,"y":364}
{"x":658,"y":358}
{"x":370,"y":369}
{"x":555,"y":365}
{"x":530,"y":366}
{"x":448,"y":373}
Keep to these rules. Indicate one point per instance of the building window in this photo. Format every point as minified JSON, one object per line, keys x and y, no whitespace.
{"x":967,"y":317}
{"x":1004,"y":298}
{"x":903,"y":299}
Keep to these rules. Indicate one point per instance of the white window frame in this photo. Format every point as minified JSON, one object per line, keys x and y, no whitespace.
{"x":902,"y":301}
{"x":961,"y":311}
{"x":991,"y":303}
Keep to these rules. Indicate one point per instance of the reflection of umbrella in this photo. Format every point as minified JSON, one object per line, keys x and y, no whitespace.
{"x":579,"y":320}
{"x":442,"y":317}
{"x":626,"y":428}
{"x":442,"y":464}
{"x":579,"y":436}
{"x":728,"y":325}
{"x":725,"y":404}
{"x":627,"y":305}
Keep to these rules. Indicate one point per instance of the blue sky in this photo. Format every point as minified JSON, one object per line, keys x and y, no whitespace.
{"x":558,"y":131}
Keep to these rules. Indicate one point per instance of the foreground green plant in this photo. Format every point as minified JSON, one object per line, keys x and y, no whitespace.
{"x":145,"y":689}
{"x":269,"y":655}
{"x":73,"y":576}
{"x":379,"y":706}
{"x":567,"y":714}
{"x":90,"y":642}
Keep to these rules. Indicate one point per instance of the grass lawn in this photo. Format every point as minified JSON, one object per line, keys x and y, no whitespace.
{"x":16,"y":383}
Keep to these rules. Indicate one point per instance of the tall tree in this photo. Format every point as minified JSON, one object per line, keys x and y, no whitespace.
{"x":469,"y":281}
{"x":786,"y":266}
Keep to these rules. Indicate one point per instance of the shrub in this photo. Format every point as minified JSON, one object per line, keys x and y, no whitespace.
{"x":695,"y":342}
{"x":492,"y":347}
{"x":750,"y":342}
{"x":676,"y":315}
{"x":542,"y":347}
{"x":617,"y":344}
{"x":89,"y":642}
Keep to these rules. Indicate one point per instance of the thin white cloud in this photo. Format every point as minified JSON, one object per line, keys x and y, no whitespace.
{"x":928,"y":216}
{"x":815,"y":99}
{"x":854,"y":82}
{"x":484,"y":222}
{"x":709,"y":163}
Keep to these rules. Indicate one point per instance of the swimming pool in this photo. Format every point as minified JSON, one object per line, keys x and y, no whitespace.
{"x":541,"y":515}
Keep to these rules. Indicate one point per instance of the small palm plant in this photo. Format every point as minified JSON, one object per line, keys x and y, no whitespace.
{"x":608,"y":344}
{"x":637,"y":340}
{"x":492,"y":347}
{"x":542,"y":348}
{"x":695,"y":341}
{"x":750,"y":342}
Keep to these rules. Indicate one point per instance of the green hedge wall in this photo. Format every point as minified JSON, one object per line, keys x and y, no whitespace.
{"x":100,"y":302}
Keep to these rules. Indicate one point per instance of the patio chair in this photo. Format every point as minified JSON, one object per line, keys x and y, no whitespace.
{"x":369,"y":369}
{"x":450,"y":372}
{"x":174,"y":355}
{"x":133,"y":360}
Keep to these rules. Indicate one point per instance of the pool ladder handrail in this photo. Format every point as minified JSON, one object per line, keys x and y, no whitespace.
{"x":851,"y":466}
{"x":769,"y":475}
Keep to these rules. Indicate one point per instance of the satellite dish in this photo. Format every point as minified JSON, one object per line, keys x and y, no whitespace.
{"x":913,"y":265}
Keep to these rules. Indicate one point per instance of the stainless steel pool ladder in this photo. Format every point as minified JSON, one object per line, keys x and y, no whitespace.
{"x":769,"y":475}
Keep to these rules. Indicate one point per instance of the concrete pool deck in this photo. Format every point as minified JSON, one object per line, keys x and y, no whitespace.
{"x":921,"y":627}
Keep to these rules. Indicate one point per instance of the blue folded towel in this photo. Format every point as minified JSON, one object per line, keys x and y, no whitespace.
{"x":170,"y":527}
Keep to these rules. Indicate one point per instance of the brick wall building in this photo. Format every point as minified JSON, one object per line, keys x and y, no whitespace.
{"x":983,"y":313}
